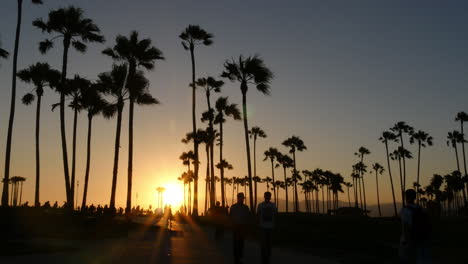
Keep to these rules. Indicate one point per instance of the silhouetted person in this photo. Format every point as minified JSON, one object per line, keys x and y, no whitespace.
{"x":240,"y":217}
{"x":266,"y":214}
{"x":415,"y":233}
{"x":218,"y":217}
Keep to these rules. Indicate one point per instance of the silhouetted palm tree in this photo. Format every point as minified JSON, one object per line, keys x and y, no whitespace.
{"x":135,"y":53}
{"x":224,"y":109}
{"x":362,"y":151}
{"x":422,"y":138}
{"x":223,"y":164}
{"x":192,"y":36}
{"x":250,"y":70}
{"x":295,"y":144}
{"x":271,"y":154}
{"x":385,"y":138}
{"x":453,"y":138}
{"x":256,"y":132}
{"x":398,"y":154}
{"x":401,"y":128}
{"x":76,"y":30}
{"x":463,"y":117}
{"x":348,"y":185}
{"x":113,"y":84}
{"x":41,"y":76}
{"x":4,"y":54}
{"x":286,"y":162}
{"x":256,"y":180}
{"x":91,"y":101}
{"x":379,"y":169}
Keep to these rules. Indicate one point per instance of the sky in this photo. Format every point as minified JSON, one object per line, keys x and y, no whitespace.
{"x":344,"y":72}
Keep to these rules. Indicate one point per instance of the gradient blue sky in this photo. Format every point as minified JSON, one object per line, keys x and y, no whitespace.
{"x":344,"y":72}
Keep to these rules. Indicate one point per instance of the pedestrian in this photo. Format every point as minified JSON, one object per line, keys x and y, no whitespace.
{"x":416,"y":230}
{"x":266,"y":215}
{"x":219,"y":218}
{"x":241,"y":218}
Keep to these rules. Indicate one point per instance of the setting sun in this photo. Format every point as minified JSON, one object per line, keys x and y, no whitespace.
{"x":173,"y":195}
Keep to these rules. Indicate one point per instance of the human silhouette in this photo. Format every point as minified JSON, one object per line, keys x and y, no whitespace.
{"x":415,"y":233}
{"x":266,"y":215}
{"x":240,"y":217}
{"x":218,"y":217}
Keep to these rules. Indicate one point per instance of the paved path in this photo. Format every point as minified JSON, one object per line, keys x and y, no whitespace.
{"x":188,"y":244}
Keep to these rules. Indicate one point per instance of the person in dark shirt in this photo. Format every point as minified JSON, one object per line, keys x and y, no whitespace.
{"x":241,"y":218}
{"x":266,"y":214}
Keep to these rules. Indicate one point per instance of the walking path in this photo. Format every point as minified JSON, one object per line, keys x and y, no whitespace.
{"x":185,"y":244}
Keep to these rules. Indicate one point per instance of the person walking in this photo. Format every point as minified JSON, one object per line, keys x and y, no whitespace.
{"x":240,"y":218}
{"x":266,"y":215}
{"x":415,"y":234}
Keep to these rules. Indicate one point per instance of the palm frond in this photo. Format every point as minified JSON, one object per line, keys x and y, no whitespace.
{"x":28,"y":98}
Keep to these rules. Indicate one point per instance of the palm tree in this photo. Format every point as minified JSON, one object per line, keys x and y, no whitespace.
{"x":362,"y":151}
{"x":385,"y":138}
{"x":4,"y":54}
{"x":348,"y":185}
{"x":286,"y":162}
{"x":422,"y":138}
{"x":135,"y":53}
{"x":294,"y":144}
{"x":76,"y":30}
{"x":223,"y":164}
{"x":91,"y":101}
{"x":271,"y":155}
{"x":256,"y":180}
{"x":453,"y":138}
{"x":268,"y":181}
{"x":224,"y":109}
{"x":41,"y":76}
{"x":113,"y":84}
{"x":379,"y":169}
{"x":256,"y":132}
{"x":401,"y":128}
{"x":192,"y":36}
{"x":463,"y":117}
{"x":251,"y":70}
{"x":399,"y":154}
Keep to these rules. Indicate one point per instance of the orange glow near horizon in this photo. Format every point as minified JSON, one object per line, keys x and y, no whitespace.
{"x":173,"y":195}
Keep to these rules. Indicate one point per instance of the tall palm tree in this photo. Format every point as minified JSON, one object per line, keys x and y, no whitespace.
{"x":256,"y":180}
{"x":399,"y":154}
{"x":379,"y":169}
{"x":423,"y":139}
{"x":250,"y":70}
{"x":224,"y":109}
{"x":362,"y":151}
{"x":463,"y":117}
{"x":91,"y":101}
{"x":69,"y":24}
{"x":210,"y":85}
{"x":222,"y":165}
{"x":453,"y":138}
{"x":348,"y":185}
{"x":193,"y":36}
{"x":4,"y":54}
{"x":113,"y":84}
{"x":256,"y":132}
{"x":385,"y":138}
{"x":285,"y":161}
{"x":271,"y":154}
{"x":401,"y":128}
{"x":136,"y":53}
{"x":294,"y":144}
{"x":41,"y":76}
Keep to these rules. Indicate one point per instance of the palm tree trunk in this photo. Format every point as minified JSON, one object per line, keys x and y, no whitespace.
{"x":404,"y":164}
{"x":194,"y":130}
{"x":220,"y":161}
{"x":417,"y":177}
{"x":456,"y":156}
{"x":38,"y":164}
{"x":255,"y":167}
{"x":360,"y":192}
{"x":12,"y":106}
{"x":247,"y":145}
{"x":377,"y":185}
{"x":323,"y":200}
{"x":296,"y":203}
{"x":75,"y":124}
{"x":120,"y":105}
{"x":274,"y":183}
{"x":349,"y":198}
{"x":391,"y":180}
{"x":207,"y":187}
{"x":463,"y":146}
{"x":88,"y":162}
{"x":128,"y":208}
{"x":286,"y":188}
{"x":21,"y":192}
{"x":364,"y":195}
{"x":401,"y":182}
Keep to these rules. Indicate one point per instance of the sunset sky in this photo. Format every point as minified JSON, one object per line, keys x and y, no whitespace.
{"x":344,"y":72}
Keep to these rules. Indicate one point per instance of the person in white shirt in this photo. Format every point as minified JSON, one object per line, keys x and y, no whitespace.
{"x":266,"y":214}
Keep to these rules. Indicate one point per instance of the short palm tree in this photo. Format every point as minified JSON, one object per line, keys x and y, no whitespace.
{"x":422,"y":139}
{"x":4,"y":54}
{"x":191,"y":37}
{"x":250,"y":70}
{"x":255,"y":133}
{"x":136,"y":53}
{"x":271,"y":154}
{"x":348,"y":185}
{"x":41,"y":75}
{"x":224,"y":109}
{"x":385,"y":138}
{"x":69,"y":24}
{"x":398,"y":155}
{"x":294,"y":144}
{"x":362,"y":151}
{"x":222,"y":165}
{"x":286,"y":162}
{"x":379,"y":169}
